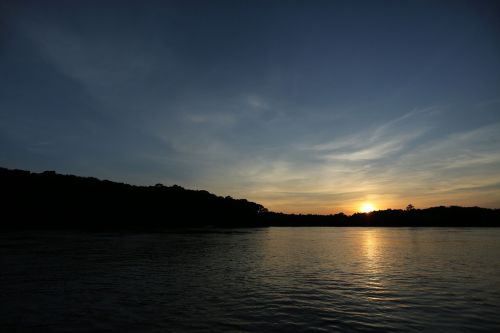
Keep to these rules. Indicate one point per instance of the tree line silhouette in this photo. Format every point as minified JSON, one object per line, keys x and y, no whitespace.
{"x":50,"y":200}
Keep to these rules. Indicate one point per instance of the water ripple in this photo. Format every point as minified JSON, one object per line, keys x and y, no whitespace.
{"x":277,"y":279}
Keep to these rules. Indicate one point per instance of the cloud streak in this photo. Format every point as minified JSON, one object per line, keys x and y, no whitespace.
{"x":300,"y":117}
{"x":391,"y":168}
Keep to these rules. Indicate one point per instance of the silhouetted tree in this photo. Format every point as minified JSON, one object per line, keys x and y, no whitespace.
{"x":50,"y":200}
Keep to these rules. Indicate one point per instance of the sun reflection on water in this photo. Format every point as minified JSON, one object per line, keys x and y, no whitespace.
{"x":370,"y":245}
{"x":373,"y":268}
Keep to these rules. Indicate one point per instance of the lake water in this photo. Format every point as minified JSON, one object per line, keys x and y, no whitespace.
{"x":274,"y":279}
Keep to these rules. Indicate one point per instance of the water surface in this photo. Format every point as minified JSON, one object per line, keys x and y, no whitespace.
{"x":273,"y":279}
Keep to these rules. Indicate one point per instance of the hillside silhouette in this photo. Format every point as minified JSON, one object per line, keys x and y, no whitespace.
{"x":50,"y":200}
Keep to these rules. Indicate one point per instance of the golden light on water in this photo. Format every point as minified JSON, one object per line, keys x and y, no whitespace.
{"x":367,"y":207}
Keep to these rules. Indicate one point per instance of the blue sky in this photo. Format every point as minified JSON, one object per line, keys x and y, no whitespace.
{"x":303,"y":106}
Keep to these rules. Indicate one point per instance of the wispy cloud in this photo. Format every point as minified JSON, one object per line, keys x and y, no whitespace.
{"x":222,"y":119}
{"x":377,"y":150}
{"x":340,"y":174}
{"x":388,"y":138}
{"x":302,"y":141}
{"x":257,"y":102}
{"x":110,"y":68}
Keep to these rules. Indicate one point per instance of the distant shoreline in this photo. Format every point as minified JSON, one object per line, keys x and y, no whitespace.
{"x":48,"y":200}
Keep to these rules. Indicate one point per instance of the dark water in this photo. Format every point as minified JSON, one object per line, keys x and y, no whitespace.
{"x":276,"y":279}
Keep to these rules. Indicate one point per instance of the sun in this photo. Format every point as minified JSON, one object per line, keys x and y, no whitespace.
{"x":367,"y":207}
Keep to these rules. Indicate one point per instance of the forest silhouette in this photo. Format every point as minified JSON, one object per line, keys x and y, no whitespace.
{"x":49,"y":200}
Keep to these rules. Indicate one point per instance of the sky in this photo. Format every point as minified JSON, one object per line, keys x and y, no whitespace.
{"x":302,"y":106}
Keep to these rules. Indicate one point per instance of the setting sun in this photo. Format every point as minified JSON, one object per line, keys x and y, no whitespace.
{"x":367,"y":207}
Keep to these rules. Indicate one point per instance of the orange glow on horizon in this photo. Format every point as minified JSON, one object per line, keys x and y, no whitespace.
{"x":367,"y":207}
